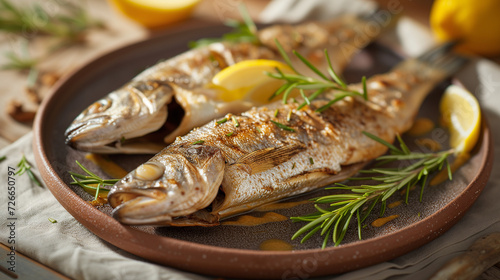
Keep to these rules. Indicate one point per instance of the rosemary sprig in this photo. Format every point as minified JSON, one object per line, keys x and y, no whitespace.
{"x":87,"y":181}
{"x":245,"y":31}
{"x":25,"y":167}
{"x":329,"y":81}
{"x":69,"y":24}
{"x":222,"y":121}
{"x":333,"y":221}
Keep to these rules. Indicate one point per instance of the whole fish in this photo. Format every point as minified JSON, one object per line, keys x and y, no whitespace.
{"x":172,"y":97}
{"x":225,"y":168}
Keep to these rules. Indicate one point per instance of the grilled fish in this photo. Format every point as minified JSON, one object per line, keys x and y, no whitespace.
{"x":172,"y":97}
{"x":225,"y":168}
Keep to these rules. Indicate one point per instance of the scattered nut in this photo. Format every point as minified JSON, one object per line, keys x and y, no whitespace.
{"x":49,"y":79}
{"x":16,"y":111}
{"x":33,"y":95}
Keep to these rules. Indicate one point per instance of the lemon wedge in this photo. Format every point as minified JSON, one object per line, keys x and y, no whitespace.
{"x":474,"y":23}
{"x":461,"y":114}
{"x":247,"y":80}
{"x":155,"y":13}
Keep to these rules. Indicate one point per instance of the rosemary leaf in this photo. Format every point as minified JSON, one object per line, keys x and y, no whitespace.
{"x":365,"y":91}
{"x":198,"y":142}
{"x":245,"y":31}
{"x":88,"y":180}
{"x":311,"y":97}
{"x":332,"y":73}
{"x":310,"y":65}
{"x":25,"y":167}
{"x":235,"y":121}
{"x":383,"y":142}
{"x":285,"y":56}
{"x":282,"y":126}
{"x":222,"y":121}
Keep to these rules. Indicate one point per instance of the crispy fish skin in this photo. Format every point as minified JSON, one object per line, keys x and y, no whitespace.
{"x":118,"y":122}
{"x":250,"y":160}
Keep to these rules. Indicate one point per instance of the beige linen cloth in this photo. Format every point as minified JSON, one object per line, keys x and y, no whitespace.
{"x":68,"y":247}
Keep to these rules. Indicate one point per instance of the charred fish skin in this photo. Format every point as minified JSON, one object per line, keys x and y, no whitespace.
{"x":118,"y":122}
{"x":278,"y":151}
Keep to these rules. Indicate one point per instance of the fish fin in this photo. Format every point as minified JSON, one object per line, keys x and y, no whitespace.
{"x":325,"y":176}
{"x":264,"y":159}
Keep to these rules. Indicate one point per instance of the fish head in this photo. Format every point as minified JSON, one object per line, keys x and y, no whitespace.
{"x":169,"y":185}
{"x":119,"y":122}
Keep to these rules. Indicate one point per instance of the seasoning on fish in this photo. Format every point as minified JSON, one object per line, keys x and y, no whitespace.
{"x":263,"y":162}
{"x":172,"y":97}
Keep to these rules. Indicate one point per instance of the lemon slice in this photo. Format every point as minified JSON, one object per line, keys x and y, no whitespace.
{"x":247,"y":80}
{"x":155,"y":13}
{"x":461,"y":114}
{"x":474,"y":23}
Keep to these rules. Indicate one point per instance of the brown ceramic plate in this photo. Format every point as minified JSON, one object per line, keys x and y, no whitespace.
{"x":233,"y":251}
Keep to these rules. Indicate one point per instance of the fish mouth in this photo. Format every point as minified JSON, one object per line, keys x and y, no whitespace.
{"x":99,"y":136}
{"x":79,"y":134}
{"x":139,"y":206}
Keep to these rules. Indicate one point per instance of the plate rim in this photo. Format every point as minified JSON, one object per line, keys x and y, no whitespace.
{"x":213,"y":260}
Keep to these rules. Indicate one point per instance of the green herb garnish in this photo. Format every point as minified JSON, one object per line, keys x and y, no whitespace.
{"x":332,"y":221}
{"x":3,"y":158}
{"x":222,"y":121}
{"x":87,"y":181}
{"x":235,"y":121}
{"x":330,"y":81}
{"x":282,"y":126}
{"x":245,"y":31}
{"x":69,"y":24}
{"x":230,"y":134}
{"x":52,"y":220}
{"x":198,"y":142}
{"x":25,"y":167}
{"x":21,"y":60}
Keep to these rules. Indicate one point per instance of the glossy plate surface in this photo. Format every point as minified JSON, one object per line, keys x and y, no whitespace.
{"x":235,"y":251}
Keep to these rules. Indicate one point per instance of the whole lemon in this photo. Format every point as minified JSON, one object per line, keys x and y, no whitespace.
{"x":476,"y":23}
{"x":155,"y":13}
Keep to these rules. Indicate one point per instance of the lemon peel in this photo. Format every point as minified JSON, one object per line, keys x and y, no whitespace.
{"x":461,"y":114}
{"x":474,"y":23}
